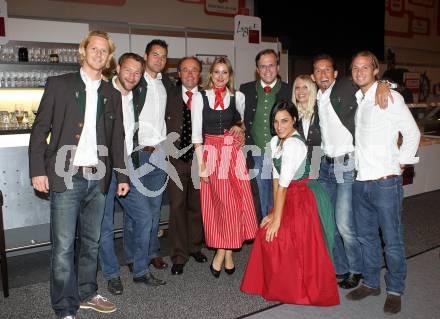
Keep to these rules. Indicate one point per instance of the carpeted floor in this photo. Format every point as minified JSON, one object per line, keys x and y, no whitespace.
{"x":196,"y":294}
{"x":421,"y":299}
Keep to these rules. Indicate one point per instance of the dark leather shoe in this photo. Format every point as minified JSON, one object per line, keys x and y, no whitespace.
{"x":230,"y":271}
{"x":199,"y":257}
{"x":130,"y":267}
{"x":215,"y":273}
{"x":149,"y":280}
{"x":158,"y":263}
{"x":392,"y":305}
{"x":341,"y":277}
{"x":177,"y":269}
{"x":351,"y":282}
{"x":362,"y":292}
{"x":115,"y":286}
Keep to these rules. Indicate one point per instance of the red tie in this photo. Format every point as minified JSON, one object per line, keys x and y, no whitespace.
{"x":189,"y":94}
{"x":219,"y":98}
{"x":267,"y":89}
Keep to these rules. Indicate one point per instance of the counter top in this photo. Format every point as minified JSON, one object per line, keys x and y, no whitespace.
{"x":14,"y":131}
{"x":14,"y":139}
{"x":423,"y":105}
{"x":429,"y":140}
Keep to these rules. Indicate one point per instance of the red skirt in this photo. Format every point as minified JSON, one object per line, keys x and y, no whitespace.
{"x":295,"y":267}
{"x":227,"y":205}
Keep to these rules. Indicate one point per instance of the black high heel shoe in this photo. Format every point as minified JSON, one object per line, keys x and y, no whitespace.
{"x":230,"y":271}
{"x":215,"y":273}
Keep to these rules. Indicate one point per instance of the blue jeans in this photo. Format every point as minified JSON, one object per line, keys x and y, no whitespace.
{"x":83,"y":205}
{"x":379,"y":204}
{"x":264,"y":182}
{"x":141,"y":222}
{"x":337,"y":180}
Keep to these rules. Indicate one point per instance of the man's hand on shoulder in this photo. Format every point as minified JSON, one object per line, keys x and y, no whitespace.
{"x":383,"y":92}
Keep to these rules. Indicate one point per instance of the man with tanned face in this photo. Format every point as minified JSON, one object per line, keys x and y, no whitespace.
{"x":378,"y":191}
{"x":260,"y":96}
{"x":337,"y":106}
{"x":137,"y":220}
{"x":149,"y":100}
{"x":185,"y":230}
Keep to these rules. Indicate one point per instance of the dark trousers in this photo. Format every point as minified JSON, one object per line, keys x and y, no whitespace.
{"x":185,"y":224}
{"x":82,"y":205}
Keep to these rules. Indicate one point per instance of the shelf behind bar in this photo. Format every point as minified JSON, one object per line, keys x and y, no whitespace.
{"x":42,"y":63}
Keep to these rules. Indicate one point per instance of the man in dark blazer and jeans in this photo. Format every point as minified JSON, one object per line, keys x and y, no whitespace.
{"x":261,"y":95}
{"x":83,"y":115}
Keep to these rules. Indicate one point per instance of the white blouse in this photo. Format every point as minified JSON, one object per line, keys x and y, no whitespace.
{"x":294,"y":152}
{"x":197,"y":110}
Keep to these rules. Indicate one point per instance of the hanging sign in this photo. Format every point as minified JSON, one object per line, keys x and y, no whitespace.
{"x":3,"y":17}
{"x":247,"y":31}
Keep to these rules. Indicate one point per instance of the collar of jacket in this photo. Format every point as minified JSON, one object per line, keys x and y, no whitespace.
{"x":80,"y":96}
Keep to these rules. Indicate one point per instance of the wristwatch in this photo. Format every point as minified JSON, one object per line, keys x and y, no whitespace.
{"x":392,"y":85}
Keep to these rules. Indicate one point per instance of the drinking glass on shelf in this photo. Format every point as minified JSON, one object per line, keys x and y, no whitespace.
{"x":44,"y":55}
{"x":25,"y":120}
{"x":34,"y":108}
{"x":13,"y":79}
{"x":4,"y":120}
{"x":19,"y":114}
{"x":12,"y":120}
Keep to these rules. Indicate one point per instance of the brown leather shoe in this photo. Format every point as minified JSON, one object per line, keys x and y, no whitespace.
{"x":392,"y":305}
{"x":99,"y":303}
{"x":362,"y":292}
{"x":158,"y":263}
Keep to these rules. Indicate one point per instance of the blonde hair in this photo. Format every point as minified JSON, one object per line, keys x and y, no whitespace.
{"x":305,"y":111}
{"x":85,"y":42}
{"x":367,"y":54}
{"x":220,"y":60}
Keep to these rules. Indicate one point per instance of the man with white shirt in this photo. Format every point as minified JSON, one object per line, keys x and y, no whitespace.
{"x":137,"y":220}
{"x":260,"y":96}
{"x":149,"y":100}
{"x":83,"y":114}
{"x":336,"y":108}
{"x":185,"y":222}
{"x":378,"y":191}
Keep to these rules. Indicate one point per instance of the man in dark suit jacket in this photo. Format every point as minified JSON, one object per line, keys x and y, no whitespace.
{"x":185,"y":228}
{"x":261,"y":95}
{"x":83,"y":115}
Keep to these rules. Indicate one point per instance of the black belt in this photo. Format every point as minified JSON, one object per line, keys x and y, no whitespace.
{"x":88,"y":169}
{"x":337,"y":159}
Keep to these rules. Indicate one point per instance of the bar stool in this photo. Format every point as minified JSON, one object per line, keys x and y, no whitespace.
{"x":3,"y":261}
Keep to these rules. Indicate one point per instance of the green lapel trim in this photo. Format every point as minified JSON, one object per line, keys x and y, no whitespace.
{"x":80,"y":97}
{"x":138,"y":104}
{"x":336,"y":103}
{"x":80,"y":93}
{"x":102,"y":100}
